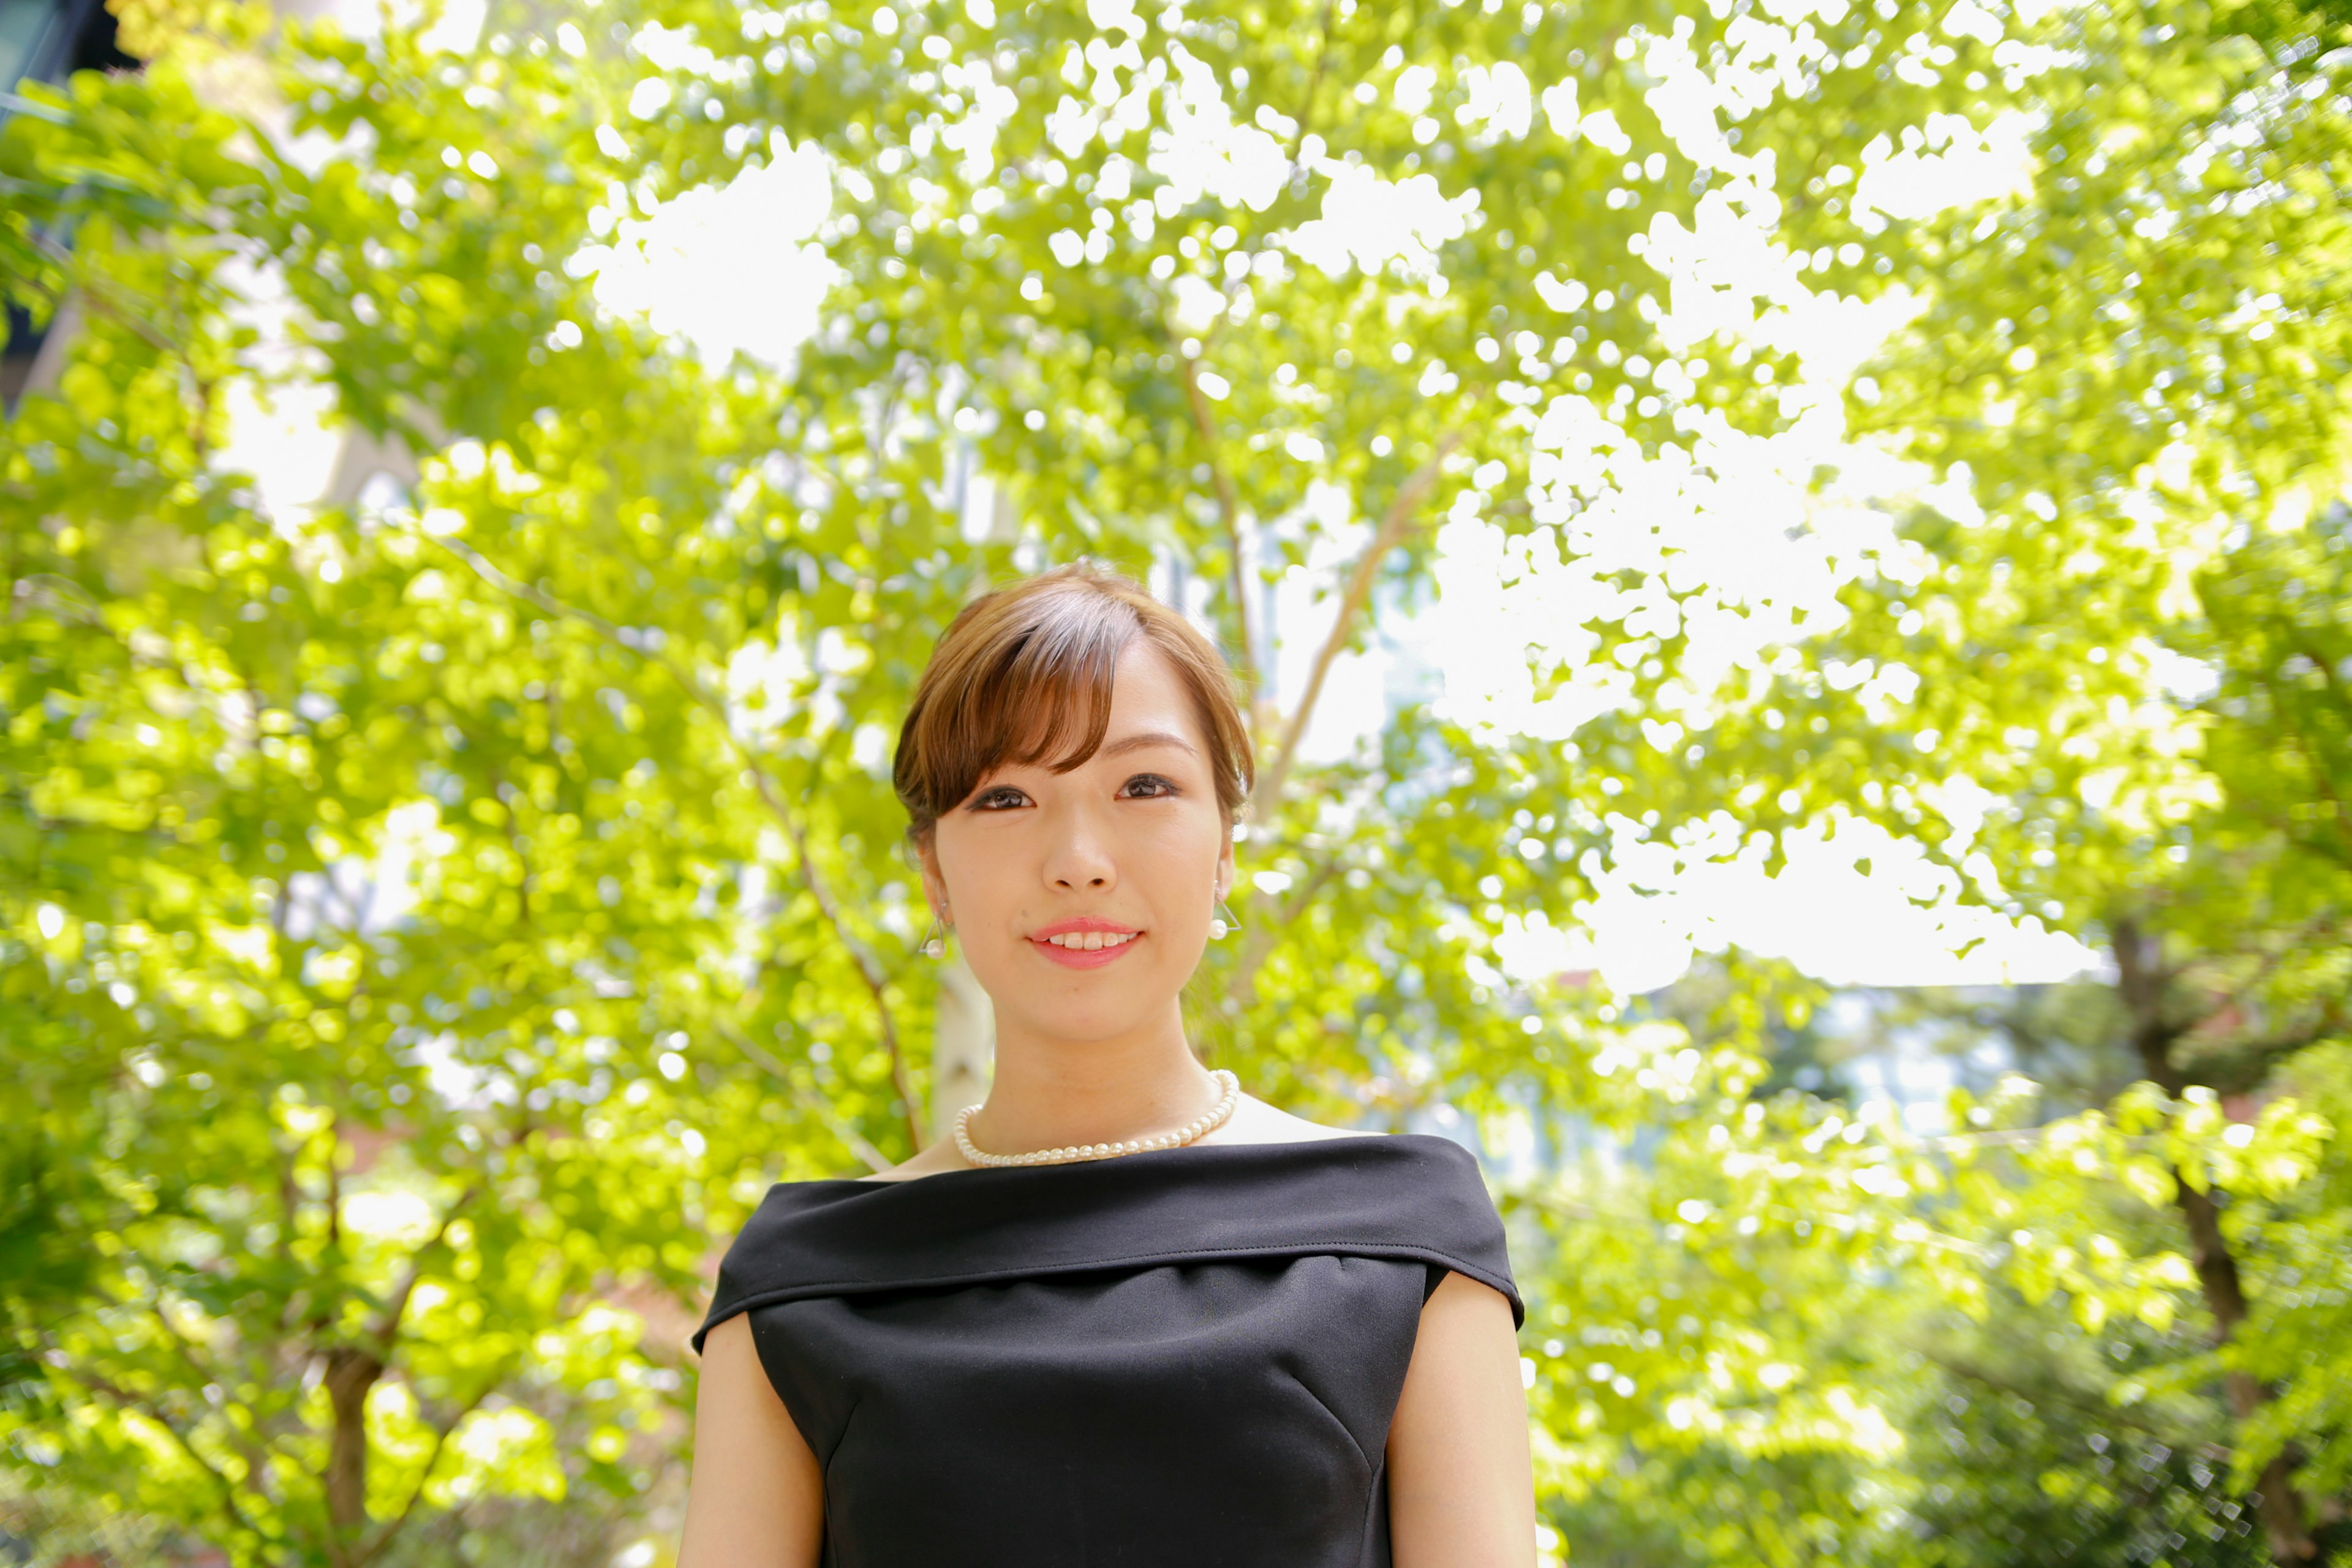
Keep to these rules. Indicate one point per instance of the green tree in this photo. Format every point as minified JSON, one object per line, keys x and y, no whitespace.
{"x":2102,"y":685}
{"x":320,"y":1217}
{"x":2022,"y":1453}
{"x":333,"y":1205}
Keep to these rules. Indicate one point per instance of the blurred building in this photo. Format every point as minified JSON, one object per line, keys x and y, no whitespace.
{"x":45,"y":41}
{"x":49,"y":40}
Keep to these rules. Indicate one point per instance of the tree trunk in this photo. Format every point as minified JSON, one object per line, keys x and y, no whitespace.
{"x":2225,"y":1298}
{"x":351,"y":1374}
{"x":964,"y":1044}
{"x":2140,"y":982}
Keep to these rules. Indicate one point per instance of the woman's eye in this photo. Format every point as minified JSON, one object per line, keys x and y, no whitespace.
{"x":1147,"y":786}
{"x":1000,"y":800}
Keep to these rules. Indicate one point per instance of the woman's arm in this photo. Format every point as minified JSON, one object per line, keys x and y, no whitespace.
{"x":758,"y":1497}
{"x":1460,"y":1485}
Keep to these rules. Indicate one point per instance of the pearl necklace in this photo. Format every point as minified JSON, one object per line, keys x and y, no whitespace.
{"x":1199,"y":1127}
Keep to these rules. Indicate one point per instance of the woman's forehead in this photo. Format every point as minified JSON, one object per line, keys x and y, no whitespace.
{"x":1148,"y":694}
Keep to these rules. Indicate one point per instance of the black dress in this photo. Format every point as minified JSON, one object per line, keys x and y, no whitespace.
{"x":1188,"y":1357}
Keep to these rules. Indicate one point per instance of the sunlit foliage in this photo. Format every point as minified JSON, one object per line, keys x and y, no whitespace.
{"x":430,"y":917}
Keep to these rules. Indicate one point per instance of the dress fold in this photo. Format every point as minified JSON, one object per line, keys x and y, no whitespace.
{"x":1183,"y":1357}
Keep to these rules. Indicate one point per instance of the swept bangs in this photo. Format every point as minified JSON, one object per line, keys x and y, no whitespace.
{"x":1025,"y":675}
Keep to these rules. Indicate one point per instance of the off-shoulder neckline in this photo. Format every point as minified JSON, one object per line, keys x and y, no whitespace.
{"x":1153,"y":1157}
{"x":1398,"y":1195}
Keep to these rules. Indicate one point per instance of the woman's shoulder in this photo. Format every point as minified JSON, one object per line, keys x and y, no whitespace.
{"x":1256,"y":1121}
{"x":938,"y":1156}
{"x":1279,"y":1186}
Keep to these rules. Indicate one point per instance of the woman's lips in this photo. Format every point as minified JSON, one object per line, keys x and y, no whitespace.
{"x":1108,"y":943}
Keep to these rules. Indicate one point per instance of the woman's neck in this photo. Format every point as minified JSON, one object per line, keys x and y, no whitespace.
{"x":1049,"y":1093}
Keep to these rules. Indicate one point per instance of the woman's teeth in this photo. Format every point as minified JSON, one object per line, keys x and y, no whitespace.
{"x":1093,"y":940}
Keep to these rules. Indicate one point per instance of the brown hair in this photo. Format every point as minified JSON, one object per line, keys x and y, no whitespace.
{"x":1025,"y":673}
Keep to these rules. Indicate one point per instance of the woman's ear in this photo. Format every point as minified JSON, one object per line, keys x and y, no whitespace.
{"x":935,"y":886}
{"x":1225,"y":867}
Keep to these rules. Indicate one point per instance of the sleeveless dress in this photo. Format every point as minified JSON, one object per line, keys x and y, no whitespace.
{"x":1182,"y":1358}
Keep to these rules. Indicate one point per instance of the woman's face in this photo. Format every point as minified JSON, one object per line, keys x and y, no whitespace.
{"x":1083,"y":900}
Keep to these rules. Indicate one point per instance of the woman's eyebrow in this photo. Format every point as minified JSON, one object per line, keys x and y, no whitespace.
{"x":1148,"y":738}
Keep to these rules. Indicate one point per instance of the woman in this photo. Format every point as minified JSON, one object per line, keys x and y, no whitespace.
{"x":1128,"y":1315}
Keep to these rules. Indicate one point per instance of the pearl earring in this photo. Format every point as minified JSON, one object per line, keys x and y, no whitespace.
{"x":1222,"y":921}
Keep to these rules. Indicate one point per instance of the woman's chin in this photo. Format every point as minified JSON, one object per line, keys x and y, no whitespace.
{"x":1116,"y":1010}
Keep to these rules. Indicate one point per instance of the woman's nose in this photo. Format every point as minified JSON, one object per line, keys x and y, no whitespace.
{"x":1082,"y":871}
{"x":1080,"y":860}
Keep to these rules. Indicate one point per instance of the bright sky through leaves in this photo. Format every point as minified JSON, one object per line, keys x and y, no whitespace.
{"x":736,"y":268}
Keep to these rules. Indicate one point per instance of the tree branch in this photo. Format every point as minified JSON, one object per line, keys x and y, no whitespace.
{"x":516,"y":847}
{"x":256,"y":1469}
{"x":1394,"y":524}
{"x":1258,"y":941}
{"x":2002,"y":1138}
{"x":761,"y":1057}
{"x":2321,"y":775}
{"x":290,"y":1198}
{"x":1229,"y":513}
{"x":398,"y":1522}
{"x":1204,"y":422}
{"x":395,"y":1306}
{"x":334,"y":1187}
{"x":143,"y":1405}
{"x":104,"y":296}
{"x":868,"y":968}
{"x":2140,"y":980}
{"x":2084,"y":1404}
{"x":2243,"y":1066}
{"x":2268,"y":963}
{"x":1565,"y":1208}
